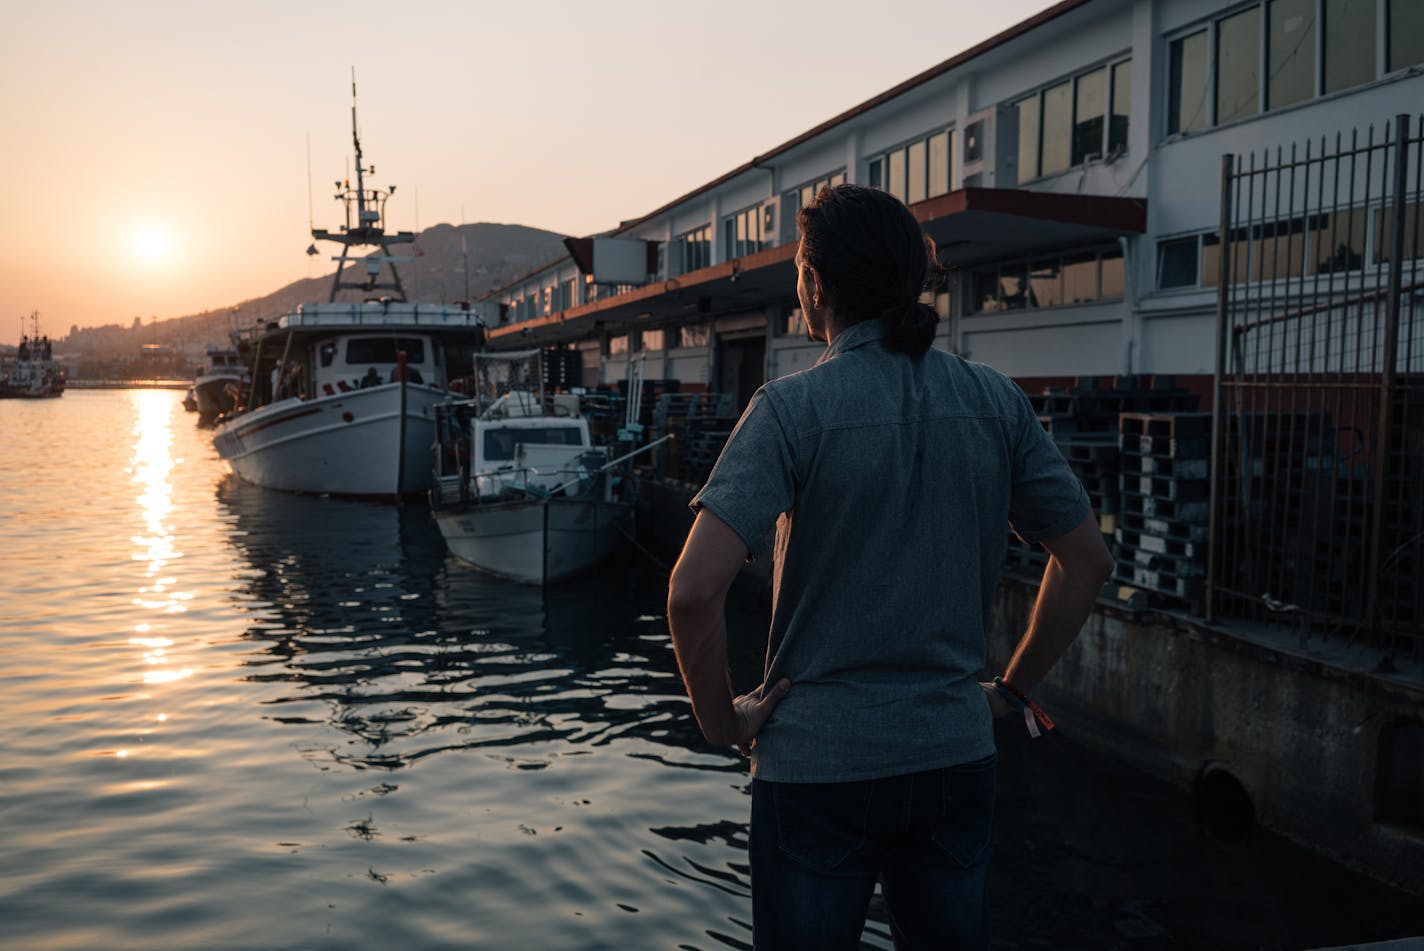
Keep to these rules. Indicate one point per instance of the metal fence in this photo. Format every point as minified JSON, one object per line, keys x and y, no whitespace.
{"x":1317,"y":490}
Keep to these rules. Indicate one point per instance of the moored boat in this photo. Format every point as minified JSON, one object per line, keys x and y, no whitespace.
{"x":216,"y":385}
{"x":340,"y":397}
{"x":521,"y":492}
{"x":34,"y":374}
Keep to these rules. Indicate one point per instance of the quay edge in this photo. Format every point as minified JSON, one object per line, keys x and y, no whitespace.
{"x":1304,"y":729}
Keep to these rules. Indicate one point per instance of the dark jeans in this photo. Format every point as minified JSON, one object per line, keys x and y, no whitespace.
{"x":817,"y":850}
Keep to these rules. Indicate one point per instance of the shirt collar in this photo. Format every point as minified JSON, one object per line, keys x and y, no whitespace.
{"x":856,"y":335}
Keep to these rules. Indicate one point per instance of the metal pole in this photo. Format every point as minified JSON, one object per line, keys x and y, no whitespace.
{"x":1223,"y":327}
{"x":400,"y":430}
{"x":1389,"y":355}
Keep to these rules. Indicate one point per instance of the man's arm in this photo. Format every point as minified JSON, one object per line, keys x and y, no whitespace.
{"x":697,"y":597}
{"x":1079,"y":566}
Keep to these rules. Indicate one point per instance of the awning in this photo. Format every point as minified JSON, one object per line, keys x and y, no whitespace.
{"x":968,"y":226}
{"x":984,"y":224}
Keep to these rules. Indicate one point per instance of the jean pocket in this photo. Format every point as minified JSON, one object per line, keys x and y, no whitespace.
{"x":821,"y":826}
{"x":963,"y":835}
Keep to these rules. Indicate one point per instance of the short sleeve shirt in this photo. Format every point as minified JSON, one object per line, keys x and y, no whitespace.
{"x":891,"y":482}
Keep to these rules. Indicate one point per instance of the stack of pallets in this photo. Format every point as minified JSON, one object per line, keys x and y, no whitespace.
{"x":1083,"y":422}
{"x":699,"y":424}
{"x":1161,"y":536}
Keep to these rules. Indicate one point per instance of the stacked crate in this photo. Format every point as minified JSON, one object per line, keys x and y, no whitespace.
{"x":1165,"y":494}
{"x":698,"y":423}
{"x":1083,"y":421}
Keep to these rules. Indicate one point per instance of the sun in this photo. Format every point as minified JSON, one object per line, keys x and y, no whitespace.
{"x":151,"y":244}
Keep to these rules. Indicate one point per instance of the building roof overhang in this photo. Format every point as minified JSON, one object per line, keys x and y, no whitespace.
{"x":968,"y":226}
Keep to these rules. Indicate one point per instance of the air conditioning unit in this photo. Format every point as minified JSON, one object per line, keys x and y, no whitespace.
{"x":989,"y":149}
{"x":770,"y":212}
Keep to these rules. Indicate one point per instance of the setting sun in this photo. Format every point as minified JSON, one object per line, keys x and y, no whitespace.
{"x":151,"y":244}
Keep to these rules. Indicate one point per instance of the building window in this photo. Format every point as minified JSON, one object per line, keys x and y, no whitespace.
{"x":1290,"y":52}
{"x":692,"y":250}
{"x":1384,"y":231}
{"x":916,"y":170}
{"x":654,"y":339}
{"x":939,"y":159}
{"x":1089,"y":110}
{"x":1276,"y":53}
{"x":743,"y":233}
{"x":1238,"y":58}
{"x":1349,"y":37}
{"x":1028,"y":137}
{"x":617,"y":345}
{"x":1331,"y":242}
{"x":1187,"y":86}
{"x":1177,"y":262}
{"x":1406,"y":34}
{"x":1050,"y":281}
{"x":793,"y":200}
{"x":1121,"y":107}
{"x":1074,"y":122}
{"x":693,"y":335}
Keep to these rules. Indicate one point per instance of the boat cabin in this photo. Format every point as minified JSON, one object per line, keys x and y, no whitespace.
{"x":358,"y":361}
{"x":537,"y":453}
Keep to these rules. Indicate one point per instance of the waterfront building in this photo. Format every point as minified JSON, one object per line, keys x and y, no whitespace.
{"x":1081,"y":173}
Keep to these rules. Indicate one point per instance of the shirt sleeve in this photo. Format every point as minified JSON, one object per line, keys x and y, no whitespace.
{"x":1048,"y":499}
{"x":754,"y":480}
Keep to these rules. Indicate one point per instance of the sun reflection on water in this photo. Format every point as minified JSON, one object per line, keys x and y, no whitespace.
{"x":152,"y":467}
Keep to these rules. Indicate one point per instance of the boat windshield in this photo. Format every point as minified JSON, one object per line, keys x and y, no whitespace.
{"x":384,"y":350}
{"x":500,"y":443}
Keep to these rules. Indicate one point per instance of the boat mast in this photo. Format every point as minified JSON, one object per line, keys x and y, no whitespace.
{"x":367,"y":229}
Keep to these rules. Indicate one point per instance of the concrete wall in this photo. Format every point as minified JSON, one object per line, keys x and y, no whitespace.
{"x":1296,"y":722}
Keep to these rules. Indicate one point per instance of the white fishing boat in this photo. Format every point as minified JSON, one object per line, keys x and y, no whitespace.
{"x":521,"y":491}
{"x":34,"y":374}
{"x":341,"y":396}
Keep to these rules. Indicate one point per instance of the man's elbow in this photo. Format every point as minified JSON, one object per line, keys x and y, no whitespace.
{"x":689,"y":597}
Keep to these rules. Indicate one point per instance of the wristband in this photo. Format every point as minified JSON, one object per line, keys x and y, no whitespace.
{"x":1034,"y":717}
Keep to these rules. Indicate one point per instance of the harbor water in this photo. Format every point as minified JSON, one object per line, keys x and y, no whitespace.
{"x":239,"y":719}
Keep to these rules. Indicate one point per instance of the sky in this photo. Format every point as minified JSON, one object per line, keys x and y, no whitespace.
{"x":157,"y":153}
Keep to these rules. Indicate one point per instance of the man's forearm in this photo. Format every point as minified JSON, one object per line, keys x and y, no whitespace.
{"x":1065,"y":599}
{"x":699,"y":638}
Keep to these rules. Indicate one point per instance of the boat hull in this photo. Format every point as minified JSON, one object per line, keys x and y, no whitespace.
{"x":353,"y":444}
{"x":533,"y":541}
{"x":213,"y":393}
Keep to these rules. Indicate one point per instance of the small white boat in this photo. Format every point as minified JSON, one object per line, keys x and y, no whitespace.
{"x":521,"y":492}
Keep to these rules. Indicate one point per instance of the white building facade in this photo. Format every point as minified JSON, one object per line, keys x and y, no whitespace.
{"x":1112,"y":114}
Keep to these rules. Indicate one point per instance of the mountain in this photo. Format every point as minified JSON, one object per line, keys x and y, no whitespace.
{"x":497,"y":254}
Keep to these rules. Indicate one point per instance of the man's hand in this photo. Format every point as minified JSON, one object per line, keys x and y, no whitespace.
{"x":998,"y":706}
{"x":752,"y":710}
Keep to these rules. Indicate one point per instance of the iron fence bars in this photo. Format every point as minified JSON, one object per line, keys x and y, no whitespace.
{"x":1317,"y":492}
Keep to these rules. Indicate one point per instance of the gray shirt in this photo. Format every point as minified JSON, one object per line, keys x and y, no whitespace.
{"x":891,"y":482}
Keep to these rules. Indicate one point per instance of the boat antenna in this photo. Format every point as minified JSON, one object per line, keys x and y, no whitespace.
{"x":465,"y":253}
{"x":367,"y":229}
{"x":311,"y":217}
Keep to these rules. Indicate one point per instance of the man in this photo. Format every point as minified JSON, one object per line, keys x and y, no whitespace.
{"x":890,"y":471}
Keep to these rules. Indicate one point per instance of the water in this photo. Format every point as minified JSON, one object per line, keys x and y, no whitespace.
{"x":239,"y":719}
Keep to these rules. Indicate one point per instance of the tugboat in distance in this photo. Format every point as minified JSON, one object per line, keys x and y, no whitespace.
{"x":34,"y":374}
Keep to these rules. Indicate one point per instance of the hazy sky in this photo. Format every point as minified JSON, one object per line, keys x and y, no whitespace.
{"x":155,"y":151}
